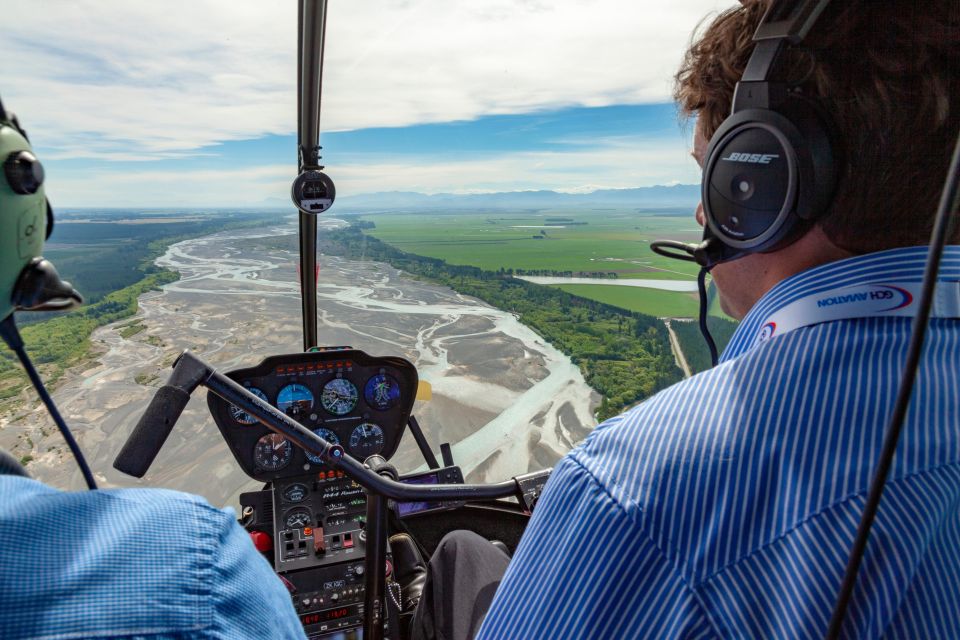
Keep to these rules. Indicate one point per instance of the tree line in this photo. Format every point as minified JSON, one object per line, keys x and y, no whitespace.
{"x":624,"y":355}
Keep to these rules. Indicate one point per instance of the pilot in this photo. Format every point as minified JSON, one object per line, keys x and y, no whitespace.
{"x":130,"y":563}
{"x":726,"y":505}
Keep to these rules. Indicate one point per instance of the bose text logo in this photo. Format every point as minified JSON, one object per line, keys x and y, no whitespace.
{"x":752,"y":158}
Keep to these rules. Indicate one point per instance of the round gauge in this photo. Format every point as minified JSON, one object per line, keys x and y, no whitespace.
{"x":295,"y":493}
{"x":382,"y":392}
{"x":327,"y":435}
{"x":295,"y":400}
{"x":272,"y":452}
{"x":339,"y":396}
{"x":242,"y":416}
{"x":297,"y":518}
{"x":366,"y":440}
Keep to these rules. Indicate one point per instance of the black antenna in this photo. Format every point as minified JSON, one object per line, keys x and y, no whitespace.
{"x":312,"y":191}
{"x":942,"y":226}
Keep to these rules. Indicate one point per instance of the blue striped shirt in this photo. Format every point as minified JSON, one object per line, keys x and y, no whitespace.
{"x":131,"y":563}
{"x":726,"y":505}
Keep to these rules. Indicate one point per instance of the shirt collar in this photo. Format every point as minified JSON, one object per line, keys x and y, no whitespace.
{"x":904,"y":264}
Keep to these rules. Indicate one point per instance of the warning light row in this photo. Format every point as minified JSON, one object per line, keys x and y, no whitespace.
{"x":307,"y":368}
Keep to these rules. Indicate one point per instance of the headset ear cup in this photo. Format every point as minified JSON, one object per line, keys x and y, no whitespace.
{"x":818,"y":178}
{"x":768,"y":176}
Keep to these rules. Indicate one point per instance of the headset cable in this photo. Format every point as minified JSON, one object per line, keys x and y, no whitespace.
{"x":942,"y":227}
{"x":8,"y":330}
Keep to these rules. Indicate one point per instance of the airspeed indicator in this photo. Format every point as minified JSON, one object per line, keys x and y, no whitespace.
{"x":242,"y":416}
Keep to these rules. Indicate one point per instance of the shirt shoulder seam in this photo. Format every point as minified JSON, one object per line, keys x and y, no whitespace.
{"x":645,"y":532}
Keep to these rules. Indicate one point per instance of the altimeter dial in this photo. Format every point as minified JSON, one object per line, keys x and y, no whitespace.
{"x":339,"y":396}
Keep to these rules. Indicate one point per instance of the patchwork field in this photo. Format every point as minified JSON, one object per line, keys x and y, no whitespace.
{"x":607,"y":243}
{"x":597,"y":241}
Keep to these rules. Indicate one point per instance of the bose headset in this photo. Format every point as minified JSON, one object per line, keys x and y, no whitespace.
{"x":768,"y":174}
{"x":770,"y":170}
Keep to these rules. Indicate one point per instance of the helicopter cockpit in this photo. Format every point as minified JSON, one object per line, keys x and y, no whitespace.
{"x":319,"y":430}
{"x":302,"y":423}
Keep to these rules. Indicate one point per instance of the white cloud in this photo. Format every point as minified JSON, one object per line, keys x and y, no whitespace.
{"x":622,"y":163}
{"x":146,"y":80}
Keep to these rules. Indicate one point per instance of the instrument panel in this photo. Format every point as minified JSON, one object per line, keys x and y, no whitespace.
{"x":347,"y":397}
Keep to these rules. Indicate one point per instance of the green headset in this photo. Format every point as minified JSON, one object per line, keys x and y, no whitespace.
{"x":27,"y":281}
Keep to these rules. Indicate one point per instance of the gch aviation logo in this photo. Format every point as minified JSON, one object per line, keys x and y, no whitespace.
{"x":897,"y":297}
{"x":767,"y":331}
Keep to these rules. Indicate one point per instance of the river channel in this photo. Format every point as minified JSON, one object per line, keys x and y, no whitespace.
{"x":505,"y":399}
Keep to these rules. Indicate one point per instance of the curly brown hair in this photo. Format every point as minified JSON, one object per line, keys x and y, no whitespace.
{"x":887,"y":74}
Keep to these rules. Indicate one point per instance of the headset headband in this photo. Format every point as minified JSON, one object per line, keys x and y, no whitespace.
{"x":784,"y":23}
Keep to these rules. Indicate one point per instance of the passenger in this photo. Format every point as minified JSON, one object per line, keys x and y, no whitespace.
{"x":132,"y":563}
{"x":726,"y":505}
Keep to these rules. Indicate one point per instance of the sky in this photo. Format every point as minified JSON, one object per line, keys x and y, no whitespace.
{"x":193,"y":102}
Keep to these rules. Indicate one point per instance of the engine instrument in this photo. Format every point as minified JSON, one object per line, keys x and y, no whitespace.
{"x":366,"y":440}
{"x":295,"y":492}
{"x":297,"y":518}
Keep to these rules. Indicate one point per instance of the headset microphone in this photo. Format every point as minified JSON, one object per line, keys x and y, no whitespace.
{"x":706,"y":254}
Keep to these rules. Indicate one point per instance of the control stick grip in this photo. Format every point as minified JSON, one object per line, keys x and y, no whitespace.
{"x":151,"y":431}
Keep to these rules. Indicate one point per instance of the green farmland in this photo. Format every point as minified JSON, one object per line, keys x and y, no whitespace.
{"x":672,"y":304}
{"x":598,"y":241}
{"x":607,"y":243}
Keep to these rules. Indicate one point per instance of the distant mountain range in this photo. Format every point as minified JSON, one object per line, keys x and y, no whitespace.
{"x":681,"y":198}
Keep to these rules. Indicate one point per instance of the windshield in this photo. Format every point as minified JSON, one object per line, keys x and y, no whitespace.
{"x":500,"y":168}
